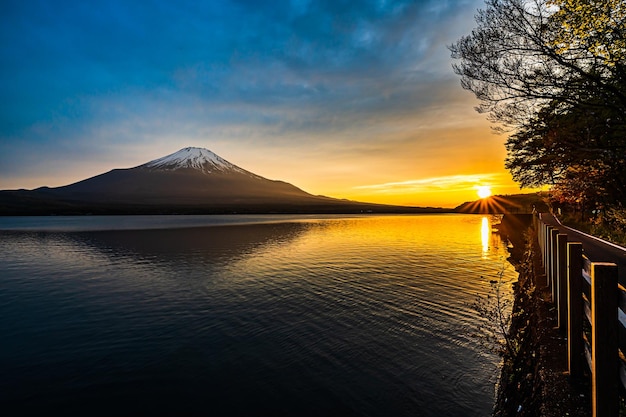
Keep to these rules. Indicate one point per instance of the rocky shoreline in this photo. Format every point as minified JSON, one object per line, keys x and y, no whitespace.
{"x":535,"y":382}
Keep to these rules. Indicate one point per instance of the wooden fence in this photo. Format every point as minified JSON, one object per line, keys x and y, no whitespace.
{"x":591,"y":307}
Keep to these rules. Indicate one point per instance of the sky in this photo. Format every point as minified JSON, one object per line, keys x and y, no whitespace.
{"x":348,"y":99}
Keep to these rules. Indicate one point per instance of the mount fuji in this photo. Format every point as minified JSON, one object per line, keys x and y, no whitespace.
{"x":191,"y":176}
{"x":192,"y":180}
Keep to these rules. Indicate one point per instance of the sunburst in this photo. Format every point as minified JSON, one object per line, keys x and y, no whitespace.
{"x":492,"y":205}
{"x":483,"y":191}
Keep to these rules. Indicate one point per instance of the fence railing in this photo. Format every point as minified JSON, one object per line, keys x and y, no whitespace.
{"x":591,"y":307}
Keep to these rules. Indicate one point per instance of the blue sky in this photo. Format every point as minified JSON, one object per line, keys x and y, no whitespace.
{"x":342,"y":98}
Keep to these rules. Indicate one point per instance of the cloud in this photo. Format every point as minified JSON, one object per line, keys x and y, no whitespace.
{"x":326,"y":56}
{"x":451,"y":183}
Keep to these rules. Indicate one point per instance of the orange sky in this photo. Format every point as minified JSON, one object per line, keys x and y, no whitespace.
{"x":428,"y":161}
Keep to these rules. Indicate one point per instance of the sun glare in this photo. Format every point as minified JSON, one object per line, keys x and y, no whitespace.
{"x":484,"y":191}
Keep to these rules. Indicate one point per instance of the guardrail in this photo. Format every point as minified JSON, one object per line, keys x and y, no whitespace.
{"x":591,"y":307}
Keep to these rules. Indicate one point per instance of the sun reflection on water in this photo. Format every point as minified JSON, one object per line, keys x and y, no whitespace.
{"x":485,"y":232}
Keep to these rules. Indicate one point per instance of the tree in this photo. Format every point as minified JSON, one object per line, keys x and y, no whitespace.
{"x":552,"y":73}
{"x":581,"y":188}
{"x":546,"y":147}
{"x":521,"y":55}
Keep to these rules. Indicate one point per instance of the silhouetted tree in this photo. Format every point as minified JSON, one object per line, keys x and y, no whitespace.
{"x":522,"y":55}
{"x":581,"y":188}
{"x":552,"y":73}
{"x":591,"y":139}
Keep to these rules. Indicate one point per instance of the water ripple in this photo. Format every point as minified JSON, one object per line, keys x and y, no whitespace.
{"x":362,"y":316}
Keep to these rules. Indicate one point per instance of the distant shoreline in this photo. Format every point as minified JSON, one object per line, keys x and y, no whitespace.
{"x":15,"y":203}
{"x":61,"y":208}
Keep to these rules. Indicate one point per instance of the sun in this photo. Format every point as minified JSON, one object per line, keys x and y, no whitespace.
{"x":483,"y":191}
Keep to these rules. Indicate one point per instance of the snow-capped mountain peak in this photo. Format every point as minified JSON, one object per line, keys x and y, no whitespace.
{"x":200,"y":159}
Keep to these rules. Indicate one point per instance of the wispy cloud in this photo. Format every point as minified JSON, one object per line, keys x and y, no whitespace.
{"x":448,"y":183}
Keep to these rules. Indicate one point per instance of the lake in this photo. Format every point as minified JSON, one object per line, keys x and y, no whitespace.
{"x":247,"y":315}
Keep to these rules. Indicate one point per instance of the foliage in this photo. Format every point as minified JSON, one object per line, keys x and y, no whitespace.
{"x":608,"y":224}
{"x":594,"y":27}
{"x":548,"y":147}
{"x":611,"y":225}
{"x":581,"y":187}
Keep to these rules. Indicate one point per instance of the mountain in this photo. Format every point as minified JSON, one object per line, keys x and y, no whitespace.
{"x":192,"y":180}
{"x":191,"y":176}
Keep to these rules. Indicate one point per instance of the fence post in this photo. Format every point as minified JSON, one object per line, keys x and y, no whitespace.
{"x":554,"y":263}
{"x":547,"y":254}
{"x":604,"y":342}
{"x":542,"y":241}
{"x":561,"y":281}
{"x":546,"y":247}
{"x":575,"y":351}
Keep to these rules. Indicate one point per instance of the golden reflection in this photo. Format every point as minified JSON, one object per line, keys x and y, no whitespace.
{"x":485,"y":232}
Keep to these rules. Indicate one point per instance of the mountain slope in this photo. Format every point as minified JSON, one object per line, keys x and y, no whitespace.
{"x":192,"y":180}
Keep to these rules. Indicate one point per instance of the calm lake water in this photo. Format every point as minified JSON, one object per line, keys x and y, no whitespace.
{"x":252,"y":316}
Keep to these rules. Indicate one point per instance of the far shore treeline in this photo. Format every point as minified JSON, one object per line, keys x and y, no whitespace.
{"x":551,"y":74}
